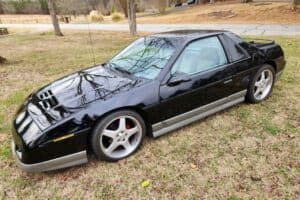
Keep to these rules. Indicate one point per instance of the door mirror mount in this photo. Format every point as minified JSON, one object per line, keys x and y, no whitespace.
{"x":177,"y":78}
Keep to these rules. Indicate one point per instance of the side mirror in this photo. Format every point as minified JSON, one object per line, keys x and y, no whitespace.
{"x":177,"y":78}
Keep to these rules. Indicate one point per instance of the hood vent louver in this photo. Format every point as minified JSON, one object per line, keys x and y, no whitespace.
{"x":48,"y":100}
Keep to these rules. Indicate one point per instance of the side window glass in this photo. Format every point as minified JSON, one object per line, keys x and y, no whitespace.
{"x":199,"y":56}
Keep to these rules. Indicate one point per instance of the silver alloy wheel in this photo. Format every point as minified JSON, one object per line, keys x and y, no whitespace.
{"x":263,"y":84}
{"x":121,"y":136}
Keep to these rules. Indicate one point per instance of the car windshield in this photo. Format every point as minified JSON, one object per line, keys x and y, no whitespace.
{"x":145,"y":57}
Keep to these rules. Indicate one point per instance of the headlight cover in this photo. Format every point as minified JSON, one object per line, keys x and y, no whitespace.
{"x":32,"y":133}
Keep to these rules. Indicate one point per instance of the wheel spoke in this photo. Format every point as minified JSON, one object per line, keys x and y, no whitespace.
{"x":112,"y":147}
{"x":257,"y":92}
{"x":122,"y":123}
{"x":257,"y":83}
{"x":110,"y":133}
{"x":126,"y":144}
{"x":132,"y":131}
{"x":263,"y":76}
{"x":268,"y":80}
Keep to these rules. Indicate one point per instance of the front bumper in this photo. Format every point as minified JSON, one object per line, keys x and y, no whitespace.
{"x":57,"y":163}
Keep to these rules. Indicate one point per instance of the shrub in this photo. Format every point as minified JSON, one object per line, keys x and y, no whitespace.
{"x":19,"y":6}
{"x":96,"y":16}
{"x":44,"y":6}
{"x":116,"y":17}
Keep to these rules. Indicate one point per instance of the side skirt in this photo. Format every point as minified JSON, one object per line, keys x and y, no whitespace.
{"x":57,"y":163}
{"x":181,"y":120}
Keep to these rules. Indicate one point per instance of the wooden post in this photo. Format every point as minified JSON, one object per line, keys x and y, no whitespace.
{"x":54,"y":19}
{"x":132,"y":16}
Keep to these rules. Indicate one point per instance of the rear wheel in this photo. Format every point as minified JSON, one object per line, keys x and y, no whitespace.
{"x":261,"y":86}
{"x":118,"y":135}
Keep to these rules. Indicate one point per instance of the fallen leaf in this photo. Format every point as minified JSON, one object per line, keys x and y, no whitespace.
{"x":145,"y":183}
{"x":291,"y":136}
{"x":193,"y":166}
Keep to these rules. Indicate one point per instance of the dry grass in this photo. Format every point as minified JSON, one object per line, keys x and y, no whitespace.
{"x":24,"y":19}
{"x":45,"y":19}
{"x":246,"y":152}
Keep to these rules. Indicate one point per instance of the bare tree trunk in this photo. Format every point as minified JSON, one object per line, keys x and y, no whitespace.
{"x":1,"y":9}
{"x":54,"y":19}
{"x":104,"y":7}
{"x":124,"y":7}
{"x":295,"y":3}
{"x":132,"y":16}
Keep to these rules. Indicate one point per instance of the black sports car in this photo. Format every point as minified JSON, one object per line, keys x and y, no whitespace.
{"x":157,"y":84}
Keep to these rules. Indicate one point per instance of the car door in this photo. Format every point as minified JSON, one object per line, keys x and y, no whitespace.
{"x":205,"y":62}
{"x":239,"y":59}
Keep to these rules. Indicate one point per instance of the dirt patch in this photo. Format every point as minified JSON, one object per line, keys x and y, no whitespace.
{"x":223,"y":13}
{"x":262,"y":4}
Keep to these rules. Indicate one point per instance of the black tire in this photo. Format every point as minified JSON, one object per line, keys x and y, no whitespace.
{"x":250,"y":97}
{"x":97,"y":134}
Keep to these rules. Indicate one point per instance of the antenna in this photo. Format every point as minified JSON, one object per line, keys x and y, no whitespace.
{"x":91,"y":43}
{"x":91,"y":39}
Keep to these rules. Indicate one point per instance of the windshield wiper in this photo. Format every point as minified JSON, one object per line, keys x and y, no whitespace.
{"x":120,"y":69}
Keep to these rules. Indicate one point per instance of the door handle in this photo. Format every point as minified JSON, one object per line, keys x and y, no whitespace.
{"x":228,"y":81}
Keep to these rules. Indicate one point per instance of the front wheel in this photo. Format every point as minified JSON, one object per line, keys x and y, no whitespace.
{"x":118,"y":135}
{"x":261,"y":86}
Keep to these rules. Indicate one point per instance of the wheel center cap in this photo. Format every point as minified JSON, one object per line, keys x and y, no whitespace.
{"x":122,"y":136}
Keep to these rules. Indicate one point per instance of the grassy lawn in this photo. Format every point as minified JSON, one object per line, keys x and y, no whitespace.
{"x":246,"y":152}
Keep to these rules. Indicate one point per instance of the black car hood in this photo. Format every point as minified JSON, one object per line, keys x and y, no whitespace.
{"x":71,"y":93}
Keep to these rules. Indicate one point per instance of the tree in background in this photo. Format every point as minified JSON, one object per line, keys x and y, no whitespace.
{"x":73,"y":7}
{"x":131,"y":5}
{"x":123,"y":4}
{"x":94,"y":4}
{"x":103,"y":5}
{"x":295,"y":3}
{"x":44,"y":6}
{"x":52,"y":11}
{"x":1,"y":9}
